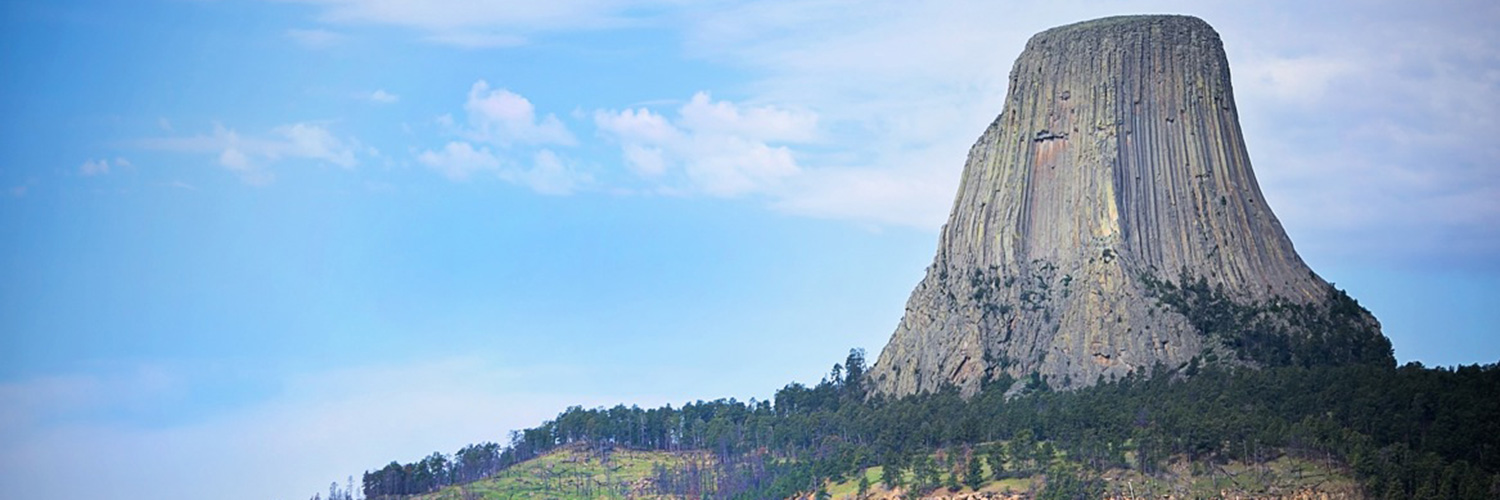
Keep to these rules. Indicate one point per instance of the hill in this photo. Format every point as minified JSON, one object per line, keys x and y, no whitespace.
{"x":577,"y":471}
{"x":1409,"y":432}
{"x":585,"y":470}
{"x":1284,"y":477}
{"x":589,"y":471}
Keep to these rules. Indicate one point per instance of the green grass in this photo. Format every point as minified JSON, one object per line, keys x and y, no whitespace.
{"x":574,"y":472}
{"x":1282,"y":476}
{"x":849,"y":488}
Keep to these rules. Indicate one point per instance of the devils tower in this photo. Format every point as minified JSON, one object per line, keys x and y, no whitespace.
{"x":1108,"y":222}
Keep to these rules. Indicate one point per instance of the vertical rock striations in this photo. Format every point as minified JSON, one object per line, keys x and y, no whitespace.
{"x":1108,"y":221}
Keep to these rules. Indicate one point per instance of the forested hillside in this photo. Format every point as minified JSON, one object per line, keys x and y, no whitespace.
{"x":1407,"y":432}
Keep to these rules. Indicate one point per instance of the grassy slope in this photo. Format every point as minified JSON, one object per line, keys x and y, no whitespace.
{"x":1283,"y":477}
{"x":572,"y":472}
{"x":850,"y":489}
{"x":576,"y":472}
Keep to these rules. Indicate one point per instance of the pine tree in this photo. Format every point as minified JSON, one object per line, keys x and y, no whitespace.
{"x":890,"y":475}
{"x":996,"y":459}
{"x":974,"y":476}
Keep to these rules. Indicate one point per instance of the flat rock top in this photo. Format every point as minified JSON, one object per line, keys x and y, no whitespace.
{"x":1106,"y":26}
{"x":1150,"y":31}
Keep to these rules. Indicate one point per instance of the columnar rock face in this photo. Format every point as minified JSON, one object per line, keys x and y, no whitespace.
{"x":1116,"y":163}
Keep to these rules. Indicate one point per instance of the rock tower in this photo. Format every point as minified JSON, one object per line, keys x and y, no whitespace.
{"x":1108,"y":221}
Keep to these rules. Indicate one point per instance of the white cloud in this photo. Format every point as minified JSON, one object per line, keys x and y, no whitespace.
{"x":503,"y":117}
{"x":233,"y":159}
{"x":637,"y":125}
{"x":899,"y":196}
{"x":733,"y":165}
{"x":93,"y":167}
{"x":104,"y":166}
{"x":382,"y":97}
{"x":547,"y":174}
{"x":304,"y":140}
{"x":509,"y":122}
{"x":723,"y":149}
{"x":459,"y":160}
{"x":703,"y":115}
{"x":250,"y":156}
{"x":643,"y":160}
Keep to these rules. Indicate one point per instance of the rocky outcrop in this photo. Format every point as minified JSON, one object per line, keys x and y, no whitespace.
{"x":1116,"y":170}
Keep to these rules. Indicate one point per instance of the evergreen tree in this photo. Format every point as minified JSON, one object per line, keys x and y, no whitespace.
{"x":974,"y":475}
{"x":1022,"y":448}
{"x":996,"y":458}
{"x":890,"y":475}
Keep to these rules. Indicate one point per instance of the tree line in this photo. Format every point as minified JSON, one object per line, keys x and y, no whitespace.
{"x":1407,"y":432}
{"x":471,"y":463}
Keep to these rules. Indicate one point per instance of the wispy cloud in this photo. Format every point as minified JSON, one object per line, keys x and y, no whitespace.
{"x":92,"y":167}
{"x":380,"y":96}
{"x":459,"y":160}
{"x":250,"y":156}
{"x":178,"y":184}
{"x":103,"y":166}
{"x":901,"y":192}
{"x":548,"y":174}
{"x":21,"y":190}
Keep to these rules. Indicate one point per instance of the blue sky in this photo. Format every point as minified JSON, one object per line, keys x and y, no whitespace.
{"x":251,"y":247}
